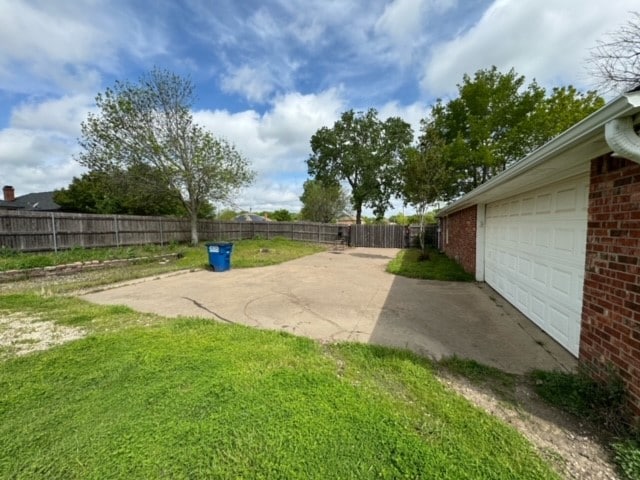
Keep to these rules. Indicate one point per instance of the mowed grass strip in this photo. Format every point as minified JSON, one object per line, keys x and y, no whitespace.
{"x":437,"y":266}
{"x":246,"y":253}
{"x":196,"y":399}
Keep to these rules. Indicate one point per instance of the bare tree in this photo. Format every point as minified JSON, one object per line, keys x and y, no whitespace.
{"x":615,"y":61}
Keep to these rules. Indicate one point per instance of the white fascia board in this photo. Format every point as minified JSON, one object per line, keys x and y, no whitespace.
{"x":583,"y":131}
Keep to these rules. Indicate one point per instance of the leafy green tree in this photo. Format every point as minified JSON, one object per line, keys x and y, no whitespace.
{"x":151,"y":123}
{"x":400,"y":219}
{"x":121,"y":192}
{"x":565,"y":107}
{"x":495,"y":121}
{"x":425,"y":176}
{"x":227,"y":215}
{"x":322,"y":202}
{"x":281,"y":215}
{"x":366,"y":153}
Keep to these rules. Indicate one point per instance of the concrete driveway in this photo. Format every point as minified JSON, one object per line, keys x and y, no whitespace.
{"x":347,"y":295}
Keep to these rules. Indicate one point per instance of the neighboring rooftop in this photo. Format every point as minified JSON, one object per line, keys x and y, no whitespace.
{"x":40,"y":201}
{"x":250,"y":217}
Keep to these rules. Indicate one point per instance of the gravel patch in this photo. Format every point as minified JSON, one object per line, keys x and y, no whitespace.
{"x":21,"y":334}
{"x":568,"y":444}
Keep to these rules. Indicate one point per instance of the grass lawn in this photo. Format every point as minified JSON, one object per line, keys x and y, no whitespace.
{"x":438,"y":267}
{"x":246,"y":253}
{"x":191,"y":398}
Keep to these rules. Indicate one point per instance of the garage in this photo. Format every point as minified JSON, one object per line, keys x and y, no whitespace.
{"x":534,"y":255}
{"x":558,"y":235}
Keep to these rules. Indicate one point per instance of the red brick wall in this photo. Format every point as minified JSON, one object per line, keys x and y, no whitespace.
{"x":458,"y":237}
{"x":610,"y":334}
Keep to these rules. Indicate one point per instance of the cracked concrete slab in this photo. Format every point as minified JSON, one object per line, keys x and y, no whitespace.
{"x":348,"y":296}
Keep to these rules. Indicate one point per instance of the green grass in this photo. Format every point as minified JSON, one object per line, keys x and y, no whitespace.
{"x":262,"y":253}
{"x":246,"y":254}
{"x":438,"y":267}
{"x":12,"y":260}
{"x":499,"y":382}
{"x":191,"y":398}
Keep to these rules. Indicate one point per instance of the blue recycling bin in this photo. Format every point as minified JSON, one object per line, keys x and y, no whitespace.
{"x":219,"y":255}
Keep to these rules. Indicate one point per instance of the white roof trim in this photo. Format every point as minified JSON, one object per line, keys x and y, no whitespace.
{"x":583,"y":131}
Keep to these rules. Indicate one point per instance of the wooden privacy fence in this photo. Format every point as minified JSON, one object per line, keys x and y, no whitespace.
{"x":391,"y":236}
{"x":42,"y":231}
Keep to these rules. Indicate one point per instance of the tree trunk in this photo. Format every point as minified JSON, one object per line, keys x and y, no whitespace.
{"x":423,"y":244}
{"x":194,"y":226}
{"x":358,"y":214}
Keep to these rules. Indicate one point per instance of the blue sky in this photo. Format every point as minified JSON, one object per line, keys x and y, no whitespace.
{"x":269,"y":73}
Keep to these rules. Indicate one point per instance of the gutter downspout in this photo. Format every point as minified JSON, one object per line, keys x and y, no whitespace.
{"x":622,"y":138}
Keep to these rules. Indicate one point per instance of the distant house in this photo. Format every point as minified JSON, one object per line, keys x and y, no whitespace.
{"x":346,"y":219}
{"x":41,"y":201}
{"x":250,"y":217}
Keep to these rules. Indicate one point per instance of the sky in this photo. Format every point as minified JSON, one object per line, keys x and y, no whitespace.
{"x":270,"y":73}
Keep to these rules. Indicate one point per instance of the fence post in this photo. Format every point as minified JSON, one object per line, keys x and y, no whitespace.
{"x":53,"y":231}
{"x":318,"y":225}
{"x":267,"y":230}
{"x":161,"y":234}
{"x":115,"y":221}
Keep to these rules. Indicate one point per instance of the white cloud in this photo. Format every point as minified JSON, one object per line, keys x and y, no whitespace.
{"x":35,"y":160}
{"x":402,"y":20}
{"x":62,"y":46}
{"x":29,"y":33}
{"x":295,"y":117}
{"x":411,"y":114}
{"x":255,"y":83}
{"x":278,"y":140}
{"x":37,"y":147}
{"x":271,"y":195}
{"x":404,"y":28}
{"x":277,"y":143}
{"x":62,"y":115}
{"x":542,"y":39}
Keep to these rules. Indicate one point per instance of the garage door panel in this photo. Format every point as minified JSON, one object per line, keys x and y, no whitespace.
{"x":543,"y":236}
{"x":559,"y":320}
{"x":527,"y":206}
{"x":522,"y":301}
{"x":540,"y":274}
{"x":524,"y":266}
{"x":564,"y":240}
{"x":561,"y":281}
{"x":534,"y":255}
{"x":543,"y":203}
{"x":566,"y":200}
{"x":538,"y":310}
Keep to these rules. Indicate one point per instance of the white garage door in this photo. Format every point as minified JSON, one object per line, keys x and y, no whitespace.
{"x":535,"y":253}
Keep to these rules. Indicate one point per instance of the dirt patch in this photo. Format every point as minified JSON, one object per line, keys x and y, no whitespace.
{"x":569,"y":445}
{"x":21,"y":334}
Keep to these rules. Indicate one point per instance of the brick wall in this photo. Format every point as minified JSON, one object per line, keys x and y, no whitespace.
{"x":458,"y":237}
{"x":610,"y":334}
